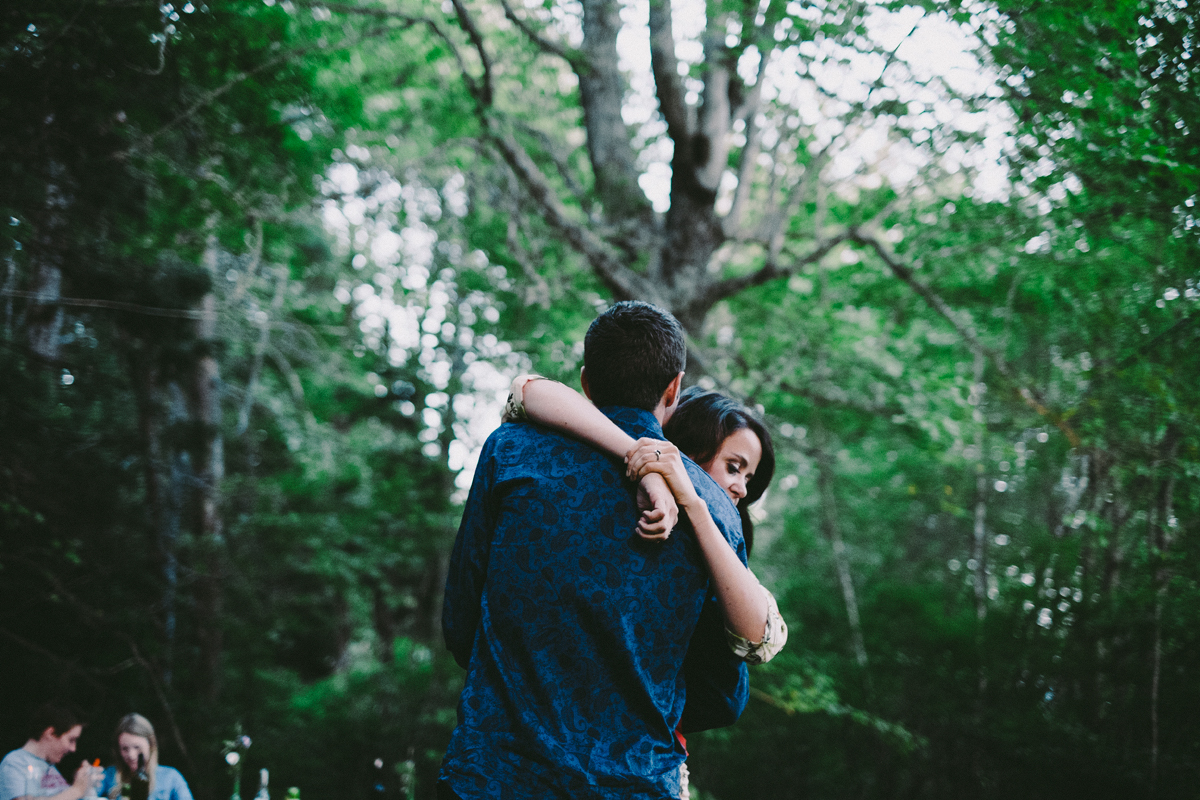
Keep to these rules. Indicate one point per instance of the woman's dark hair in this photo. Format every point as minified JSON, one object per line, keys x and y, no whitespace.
{"x":702,"y":421}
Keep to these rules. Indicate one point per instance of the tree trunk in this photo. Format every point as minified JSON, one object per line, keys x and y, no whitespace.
{"x":979,"y":537}
{"x":601,"y":90}
{"x":44,"y":317}
{"x":210,"y":472}
{"x":260,"y":349}
{"x":833,"y":532}
{"x":1162,"y":527}
{"x":164,"y":484}
{"x":10,"y":284}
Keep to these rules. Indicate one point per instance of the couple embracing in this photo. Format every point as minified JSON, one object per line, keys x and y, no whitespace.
{"x":593,"y":636}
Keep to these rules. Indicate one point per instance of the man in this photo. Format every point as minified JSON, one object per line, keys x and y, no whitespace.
{"x":30,"y":772}
{"x":572,"y":628}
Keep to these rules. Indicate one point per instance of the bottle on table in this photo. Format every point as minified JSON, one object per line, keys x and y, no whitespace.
{"x":139,"y":784}
{"x":378,"y":789}
{"x":263,"y":794}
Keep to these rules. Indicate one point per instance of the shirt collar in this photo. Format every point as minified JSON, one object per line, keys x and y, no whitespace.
{"x":637,"y":422}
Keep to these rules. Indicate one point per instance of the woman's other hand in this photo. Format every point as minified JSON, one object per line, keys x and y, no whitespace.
{"x":653,"y":456}
{"x":658,"y":507}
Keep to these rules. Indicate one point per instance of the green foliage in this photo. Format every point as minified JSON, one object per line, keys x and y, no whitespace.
{"x":1010,"y":476}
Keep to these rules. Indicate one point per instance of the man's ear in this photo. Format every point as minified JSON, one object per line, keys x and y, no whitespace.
{"x":671,"y":395}
{"x":583,"y":382}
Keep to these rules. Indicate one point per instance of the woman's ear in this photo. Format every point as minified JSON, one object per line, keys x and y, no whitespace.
{"x":583,"y":382}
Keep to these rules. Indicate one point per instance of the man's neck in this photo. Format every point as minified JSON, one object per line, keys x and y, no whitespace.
{"x":660,"y":413}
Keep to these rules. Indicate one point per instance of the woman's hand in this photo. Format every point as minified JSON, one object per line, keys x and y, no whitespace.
{"x":87,"y":779}
{"x":653,"y":456}
{"x":659,"y":511}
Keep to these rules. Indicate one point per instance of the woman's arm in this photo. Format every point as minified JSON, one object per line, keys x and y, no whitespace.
{"x":743,"y":599}
{"x":560,"y":407}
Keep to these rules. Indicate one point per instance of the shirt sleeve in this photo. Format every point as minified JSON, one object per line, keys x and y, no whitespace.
{"x":106,"y":785}
{"x":179,"y":787}
{"x":468,"y":563}
{"x":12,"y":779}
{"x":773,"y":640}
{"x":718,"y":683}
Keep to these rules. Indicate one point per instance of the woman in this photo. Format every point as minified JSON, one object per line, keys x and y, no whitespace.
{"x":135,"y":738}
{"x":729,"y":443}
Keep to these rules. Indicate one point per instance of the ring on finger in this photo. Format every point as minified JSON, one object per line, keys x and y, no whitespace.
{"x":658,"y":455}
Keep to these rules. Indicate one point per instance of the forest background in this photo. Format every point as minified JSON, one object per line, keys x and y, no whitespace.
{"x":268,"y":267}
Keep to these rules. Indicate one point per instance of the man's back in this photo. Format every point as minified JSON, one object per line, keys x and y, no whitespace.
{"x":573,"y":630}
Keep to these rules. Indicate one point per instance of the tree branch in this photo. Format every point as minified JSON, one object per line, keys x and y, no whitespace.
{"x":714,"y":115}
{"x":623,"y":282}
{"x":966,"y":331}
{"x":542,"y":43}
{"x":486,"y":93}
{"x":177,"y":313}
{"x":560,"y":163}
{"x":748,"y":159}
{"x":665,"y":65}
{"x":771,"y":270}
{"x":211,"y":96}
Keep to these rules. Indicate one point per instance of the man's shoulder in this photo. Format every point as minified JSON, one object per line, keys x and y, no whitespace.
{"x":526,"y":443}
{"x":13,"y":771}
{"x":707,"y":488}
{"x":722,"y":509}
{"x":20,"y":756}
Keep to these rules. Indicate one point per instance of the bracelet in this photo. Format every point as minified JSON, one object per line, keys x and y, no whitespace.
{"x":514,"y":407}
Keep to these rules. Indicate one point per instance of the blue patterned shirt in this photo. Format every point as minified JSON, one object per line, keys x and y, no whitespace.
{"x":574,"y":631}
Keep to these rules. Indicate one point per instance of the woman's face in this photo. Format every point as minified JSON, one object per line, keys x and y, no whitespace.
{"x":130,"y":745}
{"x":735,"y":462}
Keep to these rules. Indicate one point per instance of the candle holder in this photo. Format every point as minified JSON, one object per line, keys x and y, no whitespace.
{"x":232,"y":752}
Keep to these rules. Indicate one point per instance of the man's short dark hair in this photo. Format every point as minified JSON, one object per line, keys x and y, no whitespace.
{"x":631,"y":353}
{"x":58,"y":717}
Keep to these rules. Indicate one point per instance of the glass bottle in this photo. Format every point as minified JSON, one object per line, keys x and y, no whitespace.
{"x":139,"y":784}
{"x":263,"y":794}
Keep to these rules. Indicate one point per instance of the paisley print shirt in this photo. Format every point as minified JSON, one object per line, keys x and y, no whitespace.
{"x":574,"y":631}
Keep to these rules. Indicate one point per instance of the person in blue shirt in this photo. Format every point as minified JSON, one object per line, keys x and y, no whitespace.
{"x":582,"y":640}
{"x":135,"y":737}
{"x":732,"y":446}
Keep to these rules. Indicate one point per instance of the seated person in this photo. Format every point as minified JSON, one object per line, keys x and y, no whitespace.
{"x":135,"y":737}
{"x":29,"y":772}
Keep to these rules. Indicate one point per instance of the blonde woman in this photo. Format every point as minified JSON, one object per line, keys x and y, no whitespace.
{"x":135,"y":738}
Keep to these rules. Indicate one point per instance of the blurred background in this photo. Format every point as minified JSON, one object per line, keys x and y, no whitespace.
{"x":268,"y":266}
